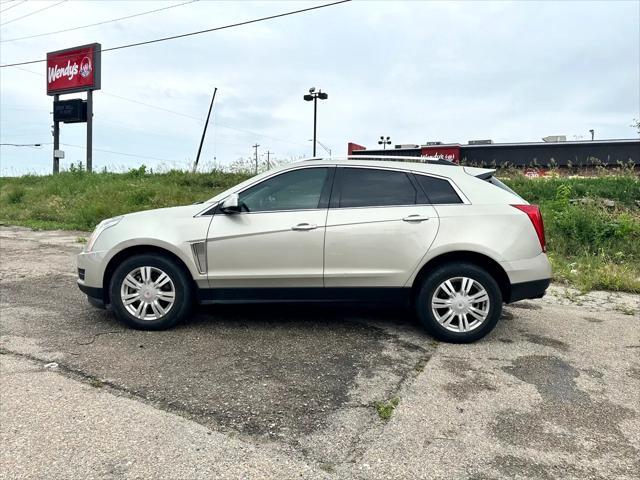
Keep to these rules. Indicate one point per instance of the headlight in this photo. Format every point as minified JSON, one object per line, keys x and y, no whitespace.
{"x":102,"y":226}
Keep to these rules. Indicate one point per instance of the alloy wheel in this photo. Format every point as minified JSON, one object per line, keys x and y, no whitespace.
{"x":147,"y":293}
{"x":460,"y":304}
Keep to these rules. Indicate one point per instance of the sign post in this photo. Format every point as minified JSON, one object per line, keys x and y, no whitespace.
{"x":73,"y":70}
{"x":56,"y":140}
{"x":89,"y":130}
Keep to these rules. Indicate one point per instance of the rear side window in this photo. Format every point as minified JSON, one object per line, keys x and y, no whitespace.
{"x":438,"y":190}
{"x":364,"y":187}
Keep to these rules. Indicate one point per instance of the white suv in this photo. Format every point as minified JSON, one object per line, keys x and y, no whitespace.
{"x":453,"y":242}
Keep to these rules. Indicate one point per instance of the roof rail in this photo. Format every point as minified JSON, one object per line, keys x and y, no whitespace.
{"x":396,"y":158}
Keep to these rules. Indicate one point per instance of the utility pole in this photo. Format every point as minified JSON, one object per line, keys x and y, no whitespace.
{"x":256,"y":156}
{"x":204,"y":130}
{"x":268,"y":164}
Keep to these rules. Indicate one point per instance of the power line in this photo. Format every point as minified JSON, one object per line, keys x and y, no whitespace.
{"x":32,"y":145}
{"x":118,"y":153}
{"x":199,"y":32}
{"x":12,"y":6}
{"x":185,"y":115}
{"x":97,"y":23}
{"x":32,"y":13}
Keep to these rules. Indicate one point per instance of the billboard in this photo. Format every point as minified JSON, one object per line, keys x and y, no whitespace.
{"x":74,"y":69}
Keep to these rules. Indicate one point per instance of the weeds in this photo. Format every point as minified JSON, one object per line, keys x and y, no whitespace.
{"x":96,"y":383}
{"x":593,"y":243}
{"x":78,"y":200}
{"x":385,"y":409}
{"x":625,"y":309}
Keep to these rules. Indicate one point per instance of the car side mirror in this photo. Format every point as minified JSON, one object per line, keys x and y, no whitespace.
{"x":231,"y":204}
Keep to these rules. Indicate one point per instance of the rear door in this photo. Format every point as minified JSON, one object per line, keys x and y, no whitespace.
{"x":379,"y":227}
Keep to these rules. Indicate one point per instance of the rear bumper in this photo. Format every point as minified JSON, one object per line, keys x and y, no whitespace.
{"x":524,"y":290}
{"x":527,"y":270}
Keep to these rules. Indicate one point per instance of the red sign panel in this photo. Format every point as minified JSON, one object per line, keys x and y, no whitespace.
{"x":451,"y":153}
{"x":75,"y":69}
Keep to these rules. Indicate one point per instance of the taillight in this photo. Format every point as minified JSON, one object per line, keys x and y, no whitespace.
{"x":533,"y":212}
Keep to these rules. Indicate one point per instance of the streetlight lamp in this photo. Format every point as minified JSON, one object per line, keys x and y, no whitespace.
{"x":384,"y":142}
{"x":313,"y":95}
{"x":592,"y":132}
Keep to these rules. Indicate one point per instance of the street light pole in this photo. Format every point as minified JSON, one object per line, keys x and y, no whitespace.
{"x":384,"y":142}
{"x":315,"y":123}
{"x":313,"y":95}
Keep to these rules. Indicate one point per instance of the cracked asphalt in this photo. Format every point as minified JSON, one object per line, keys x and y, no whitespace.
{"x":291,"y":391}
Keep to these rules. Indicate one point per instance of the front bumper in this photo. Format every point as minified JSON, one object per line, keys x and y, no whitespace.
{"x":93,"y":292}
{"x":93,"y":265}
{"x":94,"y":295}
{"x":90,"y":275}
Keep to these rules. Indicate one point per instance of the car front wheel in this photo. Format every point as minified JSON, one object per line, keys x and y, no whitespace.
{"x":459,"y":303}
{"x":150,"y":292}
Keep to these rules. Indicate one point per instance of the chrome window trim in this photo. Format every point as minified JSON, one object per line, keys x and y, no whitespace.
{"x":463,"y":197}
{"x":275,"y":174}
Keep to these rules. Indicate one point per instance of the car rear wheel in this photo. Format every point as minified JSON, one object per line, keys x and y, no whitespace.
{"x":459,"y":303}
{"x":150,"y":292}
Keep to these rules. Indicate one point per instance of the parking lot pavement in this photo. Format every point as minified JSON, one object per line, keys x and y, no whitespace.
{"x":292,"y":391}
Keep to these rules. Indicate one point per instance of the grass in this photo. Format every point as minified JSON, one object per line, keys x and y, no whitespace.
{"x":78,"y":200}
{"x":385,"y":409}
{"x":591,"y":245}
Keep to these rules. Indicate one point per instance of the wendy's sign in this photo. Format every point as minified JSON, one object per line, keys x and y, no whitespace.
{"x":74,"y":69}
{"x":448,"y":152}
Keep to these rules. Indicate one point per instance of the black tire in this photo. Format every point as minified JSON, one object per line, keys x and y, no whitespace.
{"x":182,"y":284}
{"x":445,"y":272}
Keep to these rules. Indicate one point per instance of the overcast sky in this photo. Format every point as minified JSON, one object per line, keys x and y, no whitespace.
{"x":416,"y":71}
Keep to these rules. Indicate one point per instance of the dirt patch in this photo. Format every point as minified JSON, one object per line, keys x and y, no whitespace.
{"x":525,"y":305}
{"x":469,"y":382}
{"x":546,"y":341}
{"x":567,"y":419}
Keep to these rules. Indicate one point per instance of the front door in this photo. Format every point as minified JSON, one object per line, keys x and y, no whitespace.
{"x":277,"y":239}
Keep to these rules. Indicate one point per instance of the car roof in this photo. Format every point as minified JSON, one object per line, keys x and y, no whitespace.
{"x":436,"y":167}
{"x":431,"y":165}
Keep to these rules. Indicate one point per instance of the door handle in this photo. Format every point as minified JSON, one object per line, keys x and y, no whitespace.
{"x":304,"y":226}
{"x":415,"y":218}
